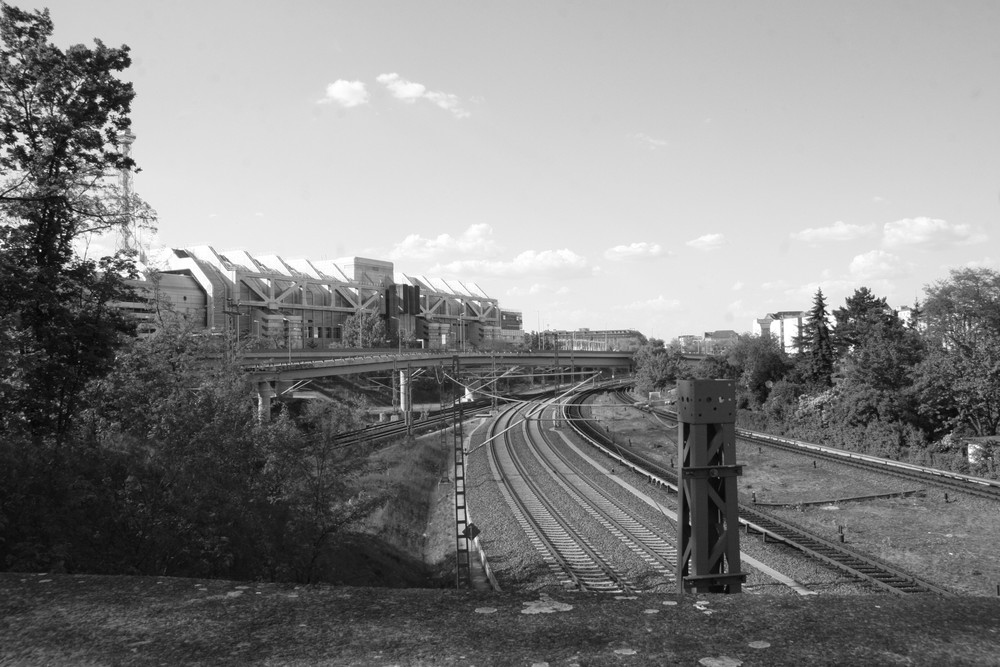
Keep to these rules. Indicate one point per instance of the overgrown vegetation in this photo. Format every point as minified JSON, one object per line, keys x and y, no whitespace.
{"x":915,"y":390}
{"x":166,"y":470}
{"x":122,"y":455}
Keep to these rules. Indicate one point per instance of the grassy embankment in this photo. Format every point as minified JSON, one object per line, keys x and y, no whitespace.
{"x":405,"y":543}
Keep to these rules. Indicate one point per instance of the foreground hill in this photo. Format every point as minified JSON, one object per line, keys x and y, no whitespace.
{"x":95,"y":620}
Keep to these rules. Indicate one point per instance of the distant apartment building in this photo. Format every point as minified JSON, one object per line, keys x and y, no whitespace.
{"x":783,"y":325}
{"x":907,"y":315}
{"x":690,"y":344}
{"x":720,"y":342}
{"x":712,"y":342}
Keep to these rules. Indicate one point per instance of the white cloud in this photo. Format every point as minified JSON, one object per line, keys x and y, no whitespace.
{"x":875,"y":265}
{"x":448,"y":102}
{"x":648,"y":141}
{"x":402,"y":89}
{"x":564,"y":263}
{"x":660,"y":304}
{"x":838,"y":231}
{"x":708,"y":242}
{"x":477,"y":239}
{"x":738,"y":285}
{"x":640,"y":250}
{"x":929,"y":233}
{"x":410,"y":92}
{"x":345,"y":93}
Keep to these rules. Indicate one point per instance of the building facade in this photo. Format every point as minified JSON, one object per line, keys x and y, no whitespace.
{"x":299,"y":303}
{"x":610,"y":340}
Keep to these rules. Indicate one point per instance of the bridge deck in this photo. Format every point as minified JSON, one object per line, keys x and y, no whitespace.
{"x":269,"y":367}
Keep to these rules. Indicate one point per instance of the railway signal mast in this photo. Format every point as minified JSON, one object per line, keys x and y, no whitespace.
{"x":708,"y":536}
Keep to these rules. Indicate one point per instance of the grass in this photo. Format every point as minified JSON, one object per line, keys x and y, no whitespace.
{"x":953,"y":542}
{"x":94,"y":620}
{"x":418,"y":510}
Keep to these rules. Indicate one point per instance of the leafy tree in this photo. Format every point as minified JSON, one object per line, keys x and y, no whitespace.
{"x":860,"y":312}
{"x":323,"y":495}
{"x":816,"y":358}
{"x":60,"y":115}
{"x":206,"y":490}
{"x":964,"y":310}
{"x":959,"y":382}
{"x":657,"y":366}
{"x":364,"y":329}
{"x":759,"y":362}
{"x":782,"y":401}
{"x":714,"y":367}
{"x":879,"y":353}
{"x":916,"y":315}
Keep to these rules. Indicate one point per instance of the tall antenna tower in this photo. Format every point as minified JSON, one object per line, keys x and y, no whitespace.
{"x":130,"y":234}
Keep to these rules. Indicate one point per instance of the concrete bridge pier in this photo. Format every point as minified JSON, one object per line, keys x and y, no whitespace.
{"x":264,"y":395}
{"x":406,"y":398}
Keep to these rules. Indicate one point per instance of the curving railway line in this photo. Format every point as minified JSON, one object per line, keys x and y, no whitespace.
{"x":565,"y":549}
{"x":863,"y":567}
{"x":591,"y":537}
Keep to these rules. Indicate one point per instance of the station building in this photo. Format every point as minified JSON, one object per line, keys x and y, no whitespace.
{"x":306,"y":303}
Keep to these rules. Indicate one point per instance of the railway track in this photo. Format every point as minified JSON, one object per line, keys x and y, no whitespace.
{"x":880,"y":574}
{"x":565,"y":550}
{"x":433,"y":422}
{"x":646,"y":539}
{"x":983,"y":488}
{"x":945,"y":479}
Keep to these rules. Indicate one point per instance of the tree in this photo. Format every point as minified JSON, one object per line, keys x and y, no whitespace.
{"x":364,"y":329}
{"x":860,"y":312}
{"x":879,"y":350}
{"x":759,"y":362}
{"x":657,"y":366}
{"x":959,"y":382}
{"x":816,"y":358}
{"x":204,"y":489}
{"x":964,"y":310}
{"x":323,"y":494}
{"x":61,"y":114}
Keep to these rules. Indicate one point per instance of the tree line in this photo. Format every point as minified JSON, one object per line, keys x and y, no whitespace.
{"x":119,"y":454}
{"x":864,"y":379}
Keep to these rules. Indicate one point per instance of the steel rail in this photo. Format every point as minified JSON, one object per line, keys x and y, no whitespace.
{"x":953,"y":481}
{"x":864,"y":567}
{"x":639,"y":536}
{"x":942,"y":478}
{"x":561,"y":546}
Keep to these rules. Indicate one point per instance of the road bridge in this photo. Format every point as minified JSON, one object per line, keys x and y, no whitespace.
{"x":268,"y":369}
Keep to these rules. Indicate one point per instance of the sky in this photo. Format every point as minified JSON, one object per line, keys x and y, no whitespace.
{"x":669,"y":167}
